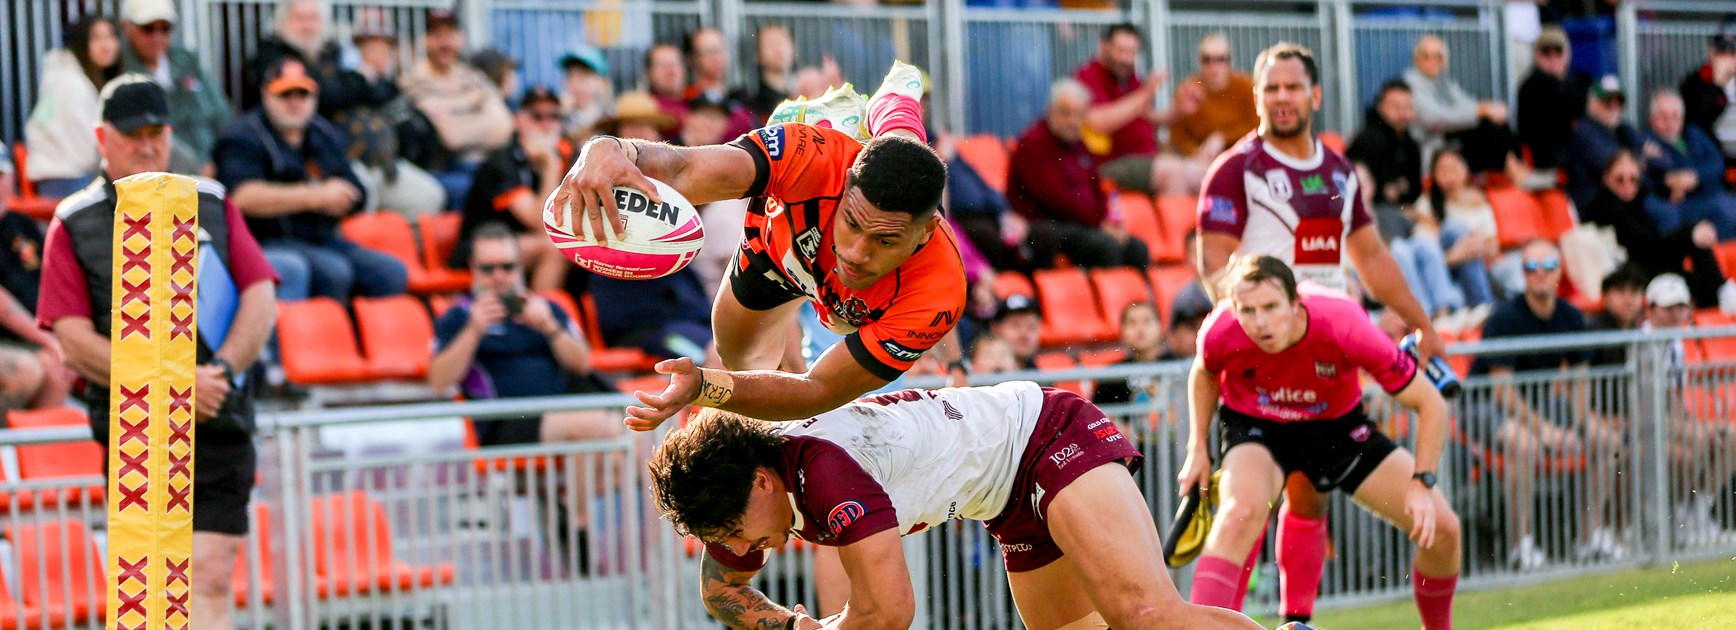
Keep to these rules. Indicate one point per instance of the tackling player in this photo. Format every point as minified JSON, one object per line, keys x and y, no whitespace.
{"x":1282,"y":193}
{"x":853,"y":227}
{"x":1284,"y":367}
{"x":1043,"y":469}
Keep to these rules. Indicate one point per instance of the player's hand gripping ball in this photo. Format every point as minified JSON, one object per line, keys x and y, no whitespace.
{"x":660,"y":238}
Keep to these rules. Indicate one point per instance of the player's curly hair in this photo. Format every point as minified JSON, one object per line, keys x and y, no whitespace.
{"x":702,"y":473}
{"x":899,"y":174}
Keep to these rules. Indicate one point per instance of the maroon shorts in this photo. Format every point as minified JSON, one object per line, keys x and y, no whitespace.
{"x":1072,"y":437}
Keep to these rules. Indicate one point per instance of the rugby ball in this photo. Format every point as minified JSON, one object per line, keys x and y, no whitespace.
{"x":659,"y":239}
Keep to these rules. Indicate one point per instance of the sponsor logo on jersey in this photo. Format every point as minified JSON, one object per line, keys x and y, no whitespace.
{"x":1313,"y":185}
{"x":1067,"y":454}
{"x":953,"y":414}
{"x":1037,"y":500}
{"x":1340,"y":181}
{"x":1360,"y":433}
{"x":1278,"y":181}
{"x":1318,"y":240}
{"x":899,"y":351}
{"x":636,"y":202}
{"x":1220,"y":209}
{"x":844,"y":515}
{"x":1288,"y":396}
{"x":773,"y":137}
{"x":1324,"y":369}
{"x":809,"y":242}
{"x":852,"y":309}
{"x":1016,"y":548}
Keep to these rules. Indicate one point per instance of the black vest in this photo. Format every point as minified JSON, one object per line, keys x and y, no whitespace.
{"x":89,"y":218}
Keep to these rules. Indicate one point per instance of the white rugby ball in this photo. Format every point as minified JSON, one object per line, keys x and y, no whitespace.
{"x":659,"y":239}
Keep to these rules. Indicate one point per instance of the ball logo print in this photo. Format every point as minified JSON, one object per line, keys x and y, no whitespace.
{"x":660,"y":238}
{"x":843,"y":516}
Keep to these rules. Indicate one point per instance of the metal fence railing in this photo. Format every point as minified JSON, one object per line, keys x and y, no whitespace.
{"x":363,"y":521}
{"x":990,"y":66}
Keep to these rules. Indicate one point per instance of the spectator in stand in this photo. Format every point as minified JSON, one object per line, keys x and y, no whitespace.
{"x":667,"y":317}
{"x":708,"y":122}
{"x":287,"y":172}
{"x":1458,"y":214}
{"x":1053,"y":183}
{"x":512,"y":184}
{"x":195,"y":101}
{"x":77,"y":272}
{"x":1624,"y":304}
{"x":1446,"y":112}
{"x":708,"y":59}
{"x":977,"y":211}
{"x":301,"y":34}
{"x":1387,"y":149}
{"x":1219,"y":106}
{"x":1121,"y":108}
{"x":1184,"y":330}
{"x":32,"y":372}
{"x":1551,"y":99}
{"x":637,"y":116}
{"x":1192,"y":298}
{"x":463,"y":105}
{"x":1597,"y":138}
{"x":500,"y":68}
{"x":776,"y":62}
{"x":63,"y":155}
{"x":378,"y":129}
{"x":666,"y":78}
{"x":585,"y":98}
{"x":1710,"y":90}
{"x":992,"y":355}
{"x":1695,"y":444}
{"x":1620,"y":204}
{"x":1684,"y":172}
{"x":1018,"y":321}
{"x":503,"y":341}
{"x":1142,"y":336}
{"x":1525,"y":422}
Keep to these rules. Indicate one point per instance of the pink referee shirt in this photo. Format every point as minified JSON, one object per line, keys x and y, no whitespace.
{"x":1313,"y":380}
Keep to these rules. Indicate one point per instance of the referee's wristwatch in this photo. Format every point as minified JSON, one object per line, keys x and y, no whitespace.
{"x":1428,"y":479}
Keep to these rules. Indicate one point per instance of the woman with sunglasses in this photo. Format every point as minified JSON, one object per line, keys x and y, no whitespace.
{"x":1620,"y":204}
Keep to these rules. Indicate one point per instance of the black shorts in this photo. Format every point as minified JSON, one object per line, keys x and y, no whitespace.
{"x":1338,"y":453}
{"x":223,"y":471}
{"x":757,"y":284}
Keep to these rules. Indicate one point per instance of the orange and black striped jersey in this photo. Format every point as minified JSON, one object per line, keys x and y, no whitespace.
{"x":786,"y":253}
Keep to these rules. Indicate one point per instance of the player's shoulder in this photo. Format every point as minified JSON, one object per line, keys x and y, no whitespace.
{"x":808,"y":143}
{"x":94,"y":195}
{"x":1332,"y":310}
{"x":1333,"y":160}
{"x":1239,"y":154}
{"x":938,"y":266}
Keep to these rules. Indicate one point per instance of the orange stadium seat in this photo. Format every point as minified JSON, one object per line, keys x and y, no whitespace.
{"x":317,"y":345}
{"x":1178,"y":216}
{"x":1099,"y":358}
{"x":604,"y":358}
{"x":1140,"y":218}
{"x":1557,"y":213}
{"x":1166,"y":282}
{"x":14,"y":615}
{"x":1727,"y":258}
{"x":1013,"y":283}
{"x":1518,"y":218}
{"x":1058,"y":361}
{"x":1116,"y":289}
{"x":352,"y":541}
{"x":389,"y":233}
{"x":1333,"y":141}
{"x":1069,"y":314}
{"x":396,"y":336}
{"x":81,"y":458}
{"x":27,"y":202}
{"x":267,"y":583}
{"x":1717,"y":348}
{"x":989,"y":156}
{"x":56,"y":562}
{"x":439,"y":238}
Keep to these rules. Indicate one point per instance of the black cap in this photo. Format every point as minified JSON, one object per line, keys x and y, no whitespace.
{"x":1725,"y":39}
{"x":704,"y":101}
{"x":537,"y":94}
{"x":440,"y":18}
{"x":1015,"y":304}
{"x":134,"y":100}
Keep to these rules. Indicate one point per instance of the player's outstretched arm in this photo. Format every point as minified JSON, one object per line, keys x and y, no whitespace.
{"x":880,"y":592}
{"x":702,"y":174}
{"x":1421,"y":396}
{"x":731,"y":599}
{"x":1380,"y":273}
{"x":769,"y":395}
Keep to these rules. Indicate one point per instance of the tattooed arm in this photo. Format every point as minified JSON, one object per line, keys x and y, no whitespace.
{"x":731,"y":599}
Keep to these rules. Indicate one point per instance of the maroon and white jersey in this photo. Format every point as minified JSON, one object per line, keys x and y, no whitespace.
{"x":1298,"y":211}
{"x":1316,"y":379}
{"x":908,"y":460}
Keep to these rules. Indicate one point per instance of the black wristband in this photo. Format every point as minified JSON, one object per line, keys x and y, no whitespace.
{"x":791,"y":624}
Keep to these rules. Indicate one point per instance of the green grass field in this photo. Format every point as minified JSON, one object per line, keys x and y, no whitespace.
{"x":1700,"y":595}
